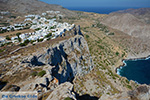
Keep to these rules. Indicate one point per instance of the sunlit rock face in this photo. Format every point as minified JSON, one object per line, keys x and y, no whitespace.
{"x":66,"y":59}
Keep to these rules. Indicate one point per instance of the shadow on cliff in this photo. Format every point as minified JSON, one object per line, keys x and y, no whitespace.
{"x":59,"y":59}
{"x":2,"y":84}
{"x":33,"y":62}
{"x":86,"y":97}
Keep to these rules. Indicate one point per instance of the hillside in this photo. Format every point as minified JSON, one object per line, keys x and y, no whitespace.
{"x":142,"y":13}
{"x":78,"y":64}
{"x":31,"y":6}
{"x":108,"y":47}
{"x":132,"y":25}
{"x":128,"y":24}
{"x":88,"y":62}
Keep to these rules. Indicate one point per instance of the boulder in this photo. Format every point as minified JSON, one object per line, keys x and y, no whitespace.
{"x":62,"y":91}
{"x":28,"y":87}
{"x":14,"y":88}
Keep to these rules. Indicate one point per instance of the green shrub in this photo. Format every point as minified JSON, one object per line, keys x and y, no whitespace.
{"x":24,"y":43}
{"x":42,"y":73}
{"x":8,"y":38}
{"x":127,"y":81}
{"x":106,"y":31}
{"x":40,"y":40}
{"x":17,"y":26}
{"x":52,"y":27}
{"x":87,"y":36}
{"x":2,"y":45}
{"x":1,"y":50}
{"x":18,"y":34}
{"x":12,"y":29}
{"x":3,"y":30}
{"x":8,"y":43}
{"x":67,"y":98}
{"x":5,"y":24}
{"x":27,"y":27}
{"x":128,"y":86}
{"x":48,"y":35}
{"x":19,"y":39}
{"x":101,"y":47}
{"x":49,"y":39}
{"x":117,"y":53}
{"x":12,"y":17}
{"x":34,"y":74}
{"x":37,"y":29}
{"x":123,"y":54}
{"x":111,"y":33}
{"x":32,"y":41}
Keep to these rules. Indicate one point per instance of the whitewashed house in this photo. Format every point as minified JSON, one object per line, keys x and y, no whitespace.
{"x":28,"y":19}
{"x":43,"y":14}
{"x":14,"y":39}
{"x":2,"y":40}
{"x":22,"y":36}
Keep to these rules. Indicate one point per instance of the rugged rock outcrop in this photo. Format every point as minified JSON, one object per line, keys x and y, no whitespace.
{"x":65,"y":60}
{"x":62,"y":62}
{"x":50,"y":66}
{"x":69,"y":58}
{"x":12,"y":88}
{"x":62,"y":91}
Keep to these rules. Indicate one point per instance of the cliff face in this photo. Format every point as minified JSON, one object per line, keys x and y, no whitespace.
{"x":67,"y":59}
{"x":49,"y":67}
{"x":52,"y":66}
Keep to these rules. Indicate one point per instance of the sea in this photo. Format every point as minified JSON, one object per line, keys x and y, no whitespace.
{"x":137,"y":70}
{"x":100,"y":10}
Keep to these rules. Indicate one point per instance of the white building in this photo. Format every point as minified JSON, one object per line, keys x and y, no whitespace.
{"x":22,"y":36}
{"x":28,"y":19}
{"x":2,"y":39}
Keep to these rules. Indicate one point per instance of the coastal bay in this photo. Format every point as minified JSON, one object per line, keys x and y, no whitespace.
{"x":136,"y":69}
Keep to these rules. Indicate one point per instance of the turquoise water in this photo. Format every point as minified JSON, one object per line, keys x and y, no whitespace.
{"x":137,"y":70}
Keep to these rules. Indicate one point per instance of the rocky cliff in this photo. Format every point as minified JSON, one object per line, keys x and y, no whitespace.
{"x":50,"y":66}
{"x":73,"y":65}
{"x":65,"y":60}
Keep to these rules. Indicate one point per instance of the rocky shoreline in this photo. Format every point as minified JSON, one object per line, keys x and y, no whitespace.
{"x":132,"y":58}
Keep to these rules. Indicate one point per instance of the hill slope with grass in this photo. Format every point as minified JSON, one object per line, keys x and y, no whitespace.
{"x":75,"y":65}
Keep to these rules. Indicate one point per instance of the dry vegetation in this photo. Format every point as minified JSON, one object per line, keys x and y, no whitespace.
{"x":107,"y":52}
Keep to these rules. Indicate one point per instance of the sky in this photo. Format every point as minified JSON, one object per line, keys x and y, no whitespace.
{"x":100,"y":3}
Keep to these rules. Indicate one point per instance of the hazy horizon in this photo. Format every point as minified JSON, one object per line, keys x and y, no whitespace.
{"x":101,"y":3}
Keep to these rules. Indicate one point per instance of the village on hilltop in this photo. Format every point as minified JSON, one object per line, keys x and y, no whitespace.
{"x":44,"y":29}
